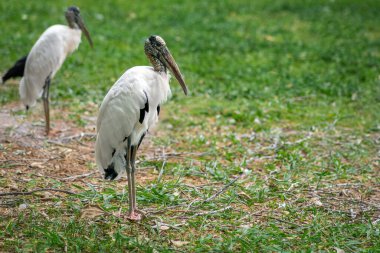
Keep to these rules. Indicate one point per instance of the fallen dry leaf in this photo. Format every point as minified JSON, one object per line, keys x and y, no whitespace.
{"x":317,"y":201}
{"x":163,"y":227}
{"x":338,"y":250}
{"x":179,"y":243}
{"x":245,"y":195}
{"x":91,"y":212}
{"x":22,"y":206}
{"x":37,"y":165}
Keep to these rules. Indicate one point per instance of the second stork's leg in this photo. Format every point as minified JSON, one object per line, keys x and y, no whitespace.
{"x":131,"y":152}
{"x":45,"y":98}
{"x":128,"y":169}
{"x":133,"y":157}
{"x":133,"y":160}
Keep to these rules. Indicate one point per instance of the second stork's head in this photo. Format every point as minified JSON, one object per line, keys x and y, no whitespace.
{"x":161,"y":58}
{"x":74,"y":20}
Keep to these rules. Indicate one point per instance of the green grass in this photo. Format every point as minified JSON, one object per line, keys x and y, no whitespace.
{"x":287,"y":92}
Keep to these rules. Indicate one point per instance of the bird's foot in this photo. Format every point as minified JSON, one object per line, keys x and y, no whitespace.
{"x":134,"y":216}
{"x":48,"y":131}
{"x":53,"y":132}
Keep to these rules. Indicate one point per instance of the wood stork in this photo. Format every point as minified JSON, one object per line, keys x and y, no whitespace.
{"x":129,"y":109}
{"x":47,"y":56}
{"x":17,"y":70}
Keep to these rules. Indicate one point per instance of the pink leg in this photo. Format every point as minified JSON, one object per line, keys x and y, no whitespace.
{"x":133,"y":214}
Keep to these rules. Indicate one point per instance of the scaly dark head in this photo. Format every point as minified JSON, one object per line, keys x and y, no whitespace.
{"x":74,"y":20}
{"x":161,"y":58}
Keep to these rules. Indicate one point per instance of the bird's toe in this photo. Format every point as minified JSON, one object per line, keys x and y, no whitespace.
{"x":134,"y":216}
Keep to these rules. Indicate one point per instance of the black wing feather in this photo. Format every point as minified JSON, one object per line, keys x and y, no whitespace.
{"x":145,"y":109}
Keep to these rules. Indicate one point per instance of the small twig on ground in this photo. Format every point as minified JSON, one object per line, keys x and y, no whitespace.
{"x":162,"y":167}
{"x":259,"y":214}
{"x":300,"y":140}
{"x":193,"y":187}
{"x":159,"y":224}
{"x":78,"y":136}
{"x":24,"y":160}
{"x":156,"y":211}
{"x":196,"y":187}
{"x":283,"y":221}
{"x":36,"y":190}
{"x":8,"y":165}
{"x":161,"y":172}
{"x":249,"y":215}
{"x":181,"y":155}
{"x":76,"y":176}
{"x":217,"y":193}
{"x":263,"y":157}
{"x":82,"y":147}
{"x":224,"y":188}
{"x":211,"y":212}
{"x":344,"y":185}
{"x":61,"y":144}
{"x":146,"y":168}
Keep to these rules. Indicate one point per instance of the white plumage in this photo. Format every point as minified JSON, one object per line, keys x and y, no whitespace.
{"x":129,"y":109}
{"x":47,"y":56}
{"x":45,"y":59}
{"x":120,"y":111}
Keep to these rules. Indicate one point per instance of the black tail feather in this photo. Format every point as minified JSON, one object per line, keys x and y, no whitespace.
{"x":110,"y":172}
{"x":17,"y":70}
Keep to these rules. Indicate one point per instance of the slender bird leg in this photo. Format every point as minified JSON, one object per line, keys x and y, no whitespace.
{"x":45,"y":98}
{"x":133,"y":159}
{"x":132,"y":215}
{"x":128,"y":169}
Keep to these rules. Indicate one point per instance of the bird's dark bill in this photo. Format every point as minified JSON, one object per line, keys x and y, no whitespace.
{"x":173,"y":67}
{"x":85,"y":31}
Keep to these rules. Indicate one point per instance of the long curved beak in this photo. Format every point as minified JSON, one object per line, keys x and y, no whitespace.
{"x":84,"y":30}
{"x":173,"y":67}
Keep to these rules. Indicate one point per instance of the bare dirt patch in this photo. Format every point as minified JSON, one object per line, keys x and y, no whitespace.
{"x":67,"y":154}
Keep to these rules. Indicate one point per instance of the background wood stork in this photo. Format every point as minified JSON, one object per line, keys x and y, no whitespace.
{"x":128,"y":110}
{"x":47,"y":56}
{"x":17,"y":70}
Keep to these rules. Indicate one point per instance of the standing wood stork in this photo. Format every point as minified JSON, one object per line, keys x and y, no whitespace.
{"x":128,"y":110}
{"x":47,"y":56}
